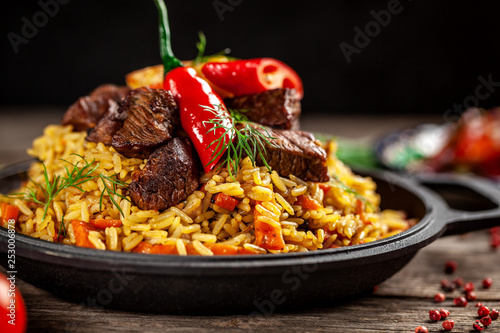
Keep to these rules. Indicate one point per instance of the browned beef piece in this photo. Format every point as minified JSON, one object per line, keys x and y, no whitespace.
{"x":169,"y":177}
{"x":278,"y":108}
{"x":295,"y":152}
{"x":109,"y":124}
{"x":152,"y":118}
{"x":88,"y":110}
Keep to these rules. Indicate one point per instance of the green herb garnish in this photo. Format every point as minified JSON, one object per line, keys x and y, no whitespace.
{"x":75,"y":176}
{"x":247,"y":138}
{"x":346,"y":188}
{"x":201,"y":46}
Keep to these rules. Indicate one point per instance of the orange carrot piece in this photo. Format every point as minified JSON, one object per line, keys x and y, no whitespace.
{"x":324,"y":187}
{"x":222,"y":250}
{"x":267,"y":236}
{"x":308,"y":203}
{"x":81,"y":230}
{"x":225,"y":201}
{"x":105,"y":223}
{"x":164,"y":249}
{"x":9,"y":212}
{"x":143,"y":247}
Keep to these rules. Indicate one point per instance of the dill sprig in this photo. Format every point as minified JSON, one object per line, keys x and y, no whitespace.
{"x":346,"y":188}
{"x":247,"y":139}
{"x":201,"y":46}
{"x":75,"y":176}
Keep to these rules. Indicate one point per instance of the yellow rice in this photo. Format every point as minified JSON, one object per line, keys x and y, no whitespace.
{"x":197,"y":220}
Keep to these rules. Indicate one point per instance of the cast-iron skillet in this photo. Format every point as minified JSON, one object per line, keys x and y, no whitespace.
{"x":256,"y":283}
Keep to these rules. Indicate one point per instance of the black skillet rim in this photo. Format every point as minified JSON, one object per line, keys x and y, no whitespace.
{"x":424,"y":232}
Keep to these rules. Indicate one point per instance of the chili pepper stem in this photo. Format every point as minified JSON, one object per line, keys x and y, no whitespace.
{"x":169,"y":60}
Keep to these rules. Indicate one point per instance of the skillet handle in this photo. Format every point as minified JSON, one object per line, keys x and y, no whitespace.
{"x":461,"y":221}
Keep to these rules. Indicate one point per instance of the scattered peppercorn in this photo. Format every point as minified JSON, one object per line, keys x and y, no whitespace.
{"x":434,"y":315}
{"x":479,"y":304}
{"x":469,"y":286}
{"x":458,"y":282}
{"x":487,"y":283}
{"x":486,"y":321}
{"x":421,"y":329}
{"x":450,"y":267}
{"x":447,"y":285}
{"x":444,"y":313}
{"x":471,"y":296}
{"x":448,"y":325}
{"x":483,"y":311}
{"x":478,"y":326}
{"x":439,"y":297}
{"x":494,"y":314}
{"x":460,"y":301}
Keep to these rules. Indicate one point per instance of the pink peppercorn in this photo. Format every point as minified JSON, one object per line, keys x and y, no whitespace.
{"x":450,"y":267}
{"x":434,"y":315}
{"x":421,"y":329}
{"x":469,"y":286}
{"x":460,"y":301}
{"x":458,"y":282}
{"x":486,"y":321}
{"x":439,"y":297}
{"x":471,"y":296}
{"x":479,"y":304}
{"x":448,"y":325}
{"x":487,"y":283}
{"x":478,"y":326}
{"x":494,"y":314}
{"x":444,"y":313}
{"x":483,"y":311}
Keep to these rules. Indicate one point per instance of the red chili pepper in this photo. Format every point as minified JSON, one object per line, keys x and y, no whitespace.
{"x":192,"y":94}
{"x":225,"y":201}
{"x":246,"y":77}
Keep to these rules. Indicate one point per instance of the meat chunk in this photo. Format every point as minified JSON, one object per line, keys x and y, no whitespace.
{"x":88,"y":110}
{"x":278,"y":108}
{"x":294,"y":152}
{"x":152,"y":118}
{"x":169,"y":177}
{"x":109,"y":124}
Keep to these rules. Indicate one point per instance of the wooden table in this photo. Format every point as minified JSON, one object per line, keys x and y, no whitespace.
{"x":398,"y":305}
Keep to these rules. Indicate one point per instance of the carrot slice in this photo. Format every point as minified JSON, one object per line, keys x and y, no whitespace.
{"x":267,"y":236}
{"x":308,"y":203}
{"x":81,"y":230}
{"x":222,"y":250}
{"x":9,"y":212}
{"x":143,"y":247}
{"x":225,"y":201}
{"x":164,"y":249}
{"x":105,"y":223}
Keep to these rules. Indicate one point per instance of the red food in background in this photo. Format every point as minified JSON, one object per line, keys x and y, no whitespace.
{"x":11,"y":308}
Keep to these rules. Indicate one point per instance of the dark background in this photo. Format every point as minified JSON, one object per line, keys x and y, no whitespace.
{"x":425,"y":60}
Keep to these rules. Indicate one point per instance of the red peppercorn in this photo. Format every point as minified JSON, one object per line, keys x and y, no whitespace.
{"x":469,"y":286}
{"x":471,"y":296}
{"x":439,"y":297}
{"x":448,"y":325}
{"x":444,"y":313}
{"x":447,"y":285}
{"x":479,"y":304}
{"x":494,"y":314}
{"x":421,"y":329}
{"x":450,"y":266}
{"x":460,"y":301}
{"x":486,"y":321}
{"x":487,"y":283}
{"x":483,"y":311}
{"x":478,"y":326}
{"x":458,"y":282}
{"x":434,"y":315}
